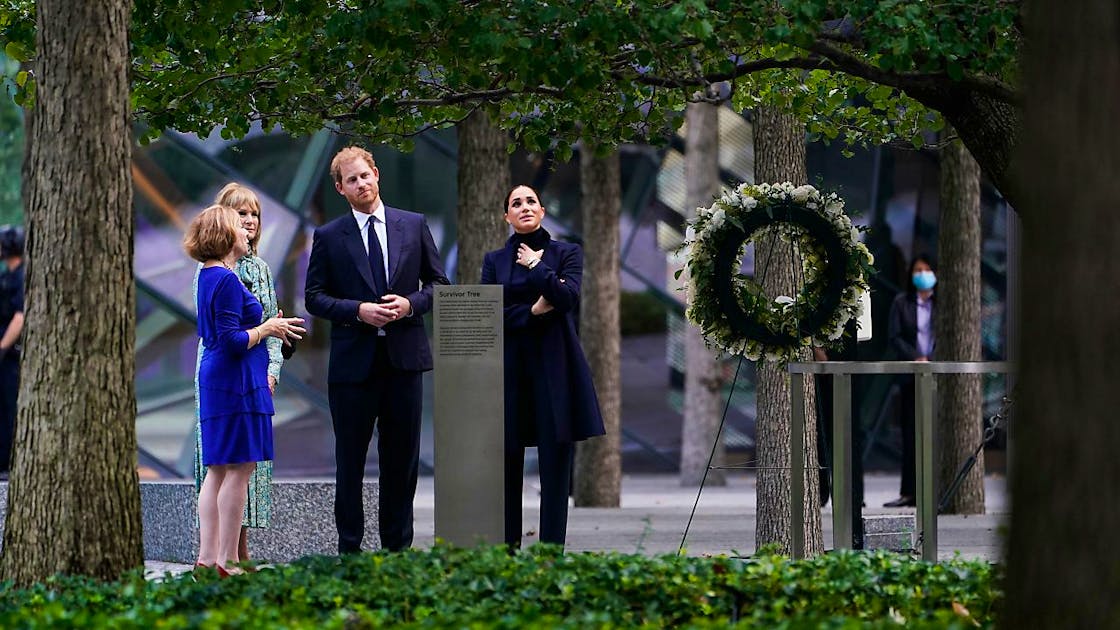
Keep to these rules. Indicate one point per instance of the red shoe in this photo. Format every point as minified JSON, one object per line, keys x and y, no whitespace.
{"x":225,"y":573}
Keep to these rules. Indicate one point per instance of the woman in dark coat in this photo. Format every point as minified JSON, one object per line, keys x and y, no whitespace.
{"x":550,"y":399}
{"x":910,"y":334}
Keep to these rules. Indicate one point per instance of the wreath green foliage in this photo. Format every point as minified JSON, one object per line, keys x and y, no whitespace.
{"x":731,"y":309}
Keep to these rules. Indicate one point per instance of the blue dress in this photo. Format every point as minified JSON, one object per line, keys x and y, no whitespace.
{"x":235,"y":405}
{"x":256,"y":277}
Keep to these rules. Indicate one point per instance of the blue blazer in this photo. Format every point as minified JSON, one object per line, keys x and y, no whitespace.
{"x":339,"y":279}
{"x":568,"y":393}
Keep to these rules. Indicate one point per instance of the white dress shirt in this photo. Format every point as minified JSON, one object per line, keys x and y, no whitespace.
{"x":377,"y":218}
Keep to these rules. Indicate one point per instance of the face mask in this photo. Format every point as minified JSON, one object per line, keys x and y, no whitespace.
{"x":924,"y":280}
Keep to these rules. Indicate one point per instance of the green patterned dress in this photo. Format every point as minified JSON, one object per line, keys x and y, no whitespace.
{"x":254,"y":272}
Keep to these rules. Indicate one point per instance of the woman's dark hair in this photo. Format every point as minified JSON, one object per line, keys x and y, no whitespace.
{"x":923,"y":258}
{"x":510,"y":194}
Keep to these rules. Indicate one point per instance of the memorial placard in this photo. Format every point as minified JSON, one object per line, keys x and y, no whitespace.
{"x":468,"y":414}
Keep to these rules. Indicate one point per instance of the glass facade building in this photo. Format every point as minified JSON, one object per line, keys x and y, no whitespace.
{"x":178,"y":175}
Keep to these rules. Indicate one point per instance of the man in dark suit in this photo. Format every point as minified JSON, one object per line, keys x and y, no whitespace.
{"x":371,"y":274}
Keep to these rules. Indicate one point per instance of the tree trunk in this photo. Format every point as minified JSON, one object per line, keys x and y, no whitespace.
{"x":74,"y":501}
{"x":957,"y":327}
{"x":990,"y":129}
{"x":483,"y":186}
{"x":1063,"y":567}
{"x":703,"y":384}
{"x":598,"y":466}
{"x":779,"y":150}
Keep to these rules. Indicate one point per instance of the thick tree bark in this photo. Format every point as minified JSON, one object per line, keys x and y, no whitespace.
{"x":990,"y":129}
{"x":957,"y":326}
{"x":74,"y":502}
{"x":598,"y":467}
{"x":1063,"y":566}
{"x":483,"y":179}
{"x":779,"y":150}
{"x":703,"y":384}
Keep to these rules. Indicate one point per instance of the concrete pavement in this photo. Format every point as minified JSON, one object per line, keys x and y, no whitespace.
{"x":655,"y":512}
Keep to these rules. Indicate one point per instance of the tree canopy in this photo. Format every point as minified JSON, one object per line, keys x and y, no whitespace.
{"x":862,"y":71}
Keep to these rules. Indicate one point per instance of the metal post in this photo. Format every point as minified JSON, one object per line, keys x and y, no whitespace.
{"x":926,"y":482}
{"x":797,"y":465}
{"x":842,"y":461}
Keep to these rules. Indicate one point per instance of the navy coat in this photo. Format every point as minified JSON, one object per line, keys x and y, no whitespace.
{"x":546,"y":372}
{"x":902,"y":326}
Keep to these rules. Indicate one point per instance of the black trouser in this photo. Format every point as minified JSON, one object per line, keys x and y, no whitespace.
{"x":906,"y":418}
{"x":389,"y":399}
{"x":9,"y":390}
{"x":554,"y":460}
{"x":824,"y":450}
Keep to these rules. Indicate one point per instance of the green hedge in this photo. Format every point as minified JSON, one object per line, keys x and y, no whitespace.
{"x":489,"y":588}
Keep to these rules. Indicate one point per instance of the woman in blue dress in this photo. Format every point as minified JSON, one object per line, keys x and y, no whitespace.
{"x":257,"y":277}
{"x":235,"y":403}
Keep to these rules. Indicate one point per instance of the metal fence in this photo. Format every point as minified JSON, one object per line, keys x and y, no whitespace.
{"x":925,"y":390}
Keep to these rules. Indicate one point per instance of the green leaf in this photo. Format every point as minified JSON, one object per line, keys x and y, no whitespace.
{"x":18,"y":51}
{"x":954,"y":70}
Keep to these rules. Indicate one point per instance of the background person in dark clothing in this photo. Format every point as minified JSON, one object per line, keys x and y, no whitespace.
{"x":11,"y":322}
{"x":910,"y":333}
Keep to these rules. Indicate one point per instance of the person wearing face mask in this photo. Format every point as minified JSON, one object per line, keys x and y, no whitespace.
{"x":910,"y":334}
{"x":550,"y":399}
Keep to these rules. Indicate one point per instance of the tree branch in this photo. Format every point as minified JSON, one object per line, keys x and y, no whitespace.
{"x":911,"y":81}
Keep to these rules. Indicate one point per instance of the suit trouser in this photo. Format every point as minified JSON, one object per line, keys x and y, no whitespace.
{"x":389,"y":399}
{"x":554,"y":461}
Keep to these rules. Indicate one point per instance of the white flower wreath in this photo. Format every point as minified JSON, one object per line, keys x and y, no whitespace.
{"x":731,"y":310}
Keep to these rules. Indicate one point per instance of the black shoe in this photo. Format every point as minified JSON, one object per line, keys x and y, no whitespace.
{"x":902,"y":501}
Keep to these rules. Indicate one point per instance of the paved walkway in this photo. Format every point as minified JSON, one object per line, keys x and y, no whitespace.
{"x":655,"y":511}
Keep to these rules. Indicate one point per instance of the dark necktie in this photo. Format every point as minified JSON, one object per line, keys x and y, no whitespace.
{"x":376,"y":260}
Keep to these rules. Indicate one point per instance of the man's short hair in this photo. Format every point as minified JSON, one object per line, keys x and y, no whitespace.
{"x":347,"y":154}
{"x":238,"y":196}
{"x":212,"y":233}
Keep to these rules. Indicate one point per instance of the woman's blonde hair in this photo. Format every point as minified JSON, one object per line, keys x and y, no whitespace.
{"x":237,"y":196}
{"x":212,"y":233}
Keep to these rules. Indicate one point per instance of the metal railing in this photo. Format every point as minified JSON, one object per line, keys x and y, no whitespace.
{"x":925,"y":390}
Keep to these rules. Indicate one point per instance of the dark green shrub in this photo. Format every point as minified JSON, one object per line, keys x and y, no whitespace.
{"x":641,"y":313}
{"x":488,"y":588}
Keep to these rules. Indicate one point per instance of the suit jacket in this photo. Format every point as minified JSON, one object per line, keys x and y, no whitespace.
{"x":902,"y":325}
{"x":558,"y":377}
{"x":339,"y":279}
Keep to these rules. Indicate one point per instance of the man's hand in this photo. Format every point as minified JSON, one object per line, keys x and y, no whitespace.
{"x":375,"y":314}
{"x":400,"y":305}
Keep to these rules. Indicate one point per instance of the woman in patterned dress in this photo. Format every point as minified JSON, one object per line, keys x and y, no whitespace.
{"x":257,"y":277}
